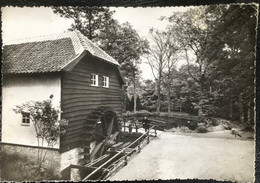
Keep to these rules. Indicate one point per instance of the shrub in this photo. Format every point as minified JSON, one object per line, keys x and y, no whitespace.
{"x":138,"y":113}
{"x":47,"y":125}
{"x":227,"y":128}
{"x":202,"y":130}
{"x":192,"y":125}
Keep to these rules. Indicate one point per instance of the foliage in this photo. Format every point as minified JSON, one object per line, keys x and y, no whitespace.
{"x":138,"y":113}
{"x":192,"y":125}
{"x":218,"y":79}
{"x":120,"y":41}
{"x":90,"y":21}
{"x":218,"y":45}
{"x":17,"y":167}
{"x":162,"y":58}
{"x":233,"y":71}
{"x":202,"y":129}
{"x":131,"y":104}
{"x":193,"y":35}
{"x":149,"y":96}
{"x":48,"y":128}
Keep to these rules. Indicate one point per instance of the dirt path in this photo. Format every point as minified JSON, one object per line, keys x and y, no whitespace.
{"x":199,"y":156}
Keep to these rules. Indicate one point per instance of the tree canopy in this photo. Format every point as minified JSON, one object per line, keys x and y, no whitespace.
{"x":120,"y":41}
{"x":217,"y":44}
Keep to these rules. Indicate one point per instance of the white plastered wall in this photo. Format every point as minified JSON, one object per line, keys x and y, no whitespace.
{"x":18,"y":90}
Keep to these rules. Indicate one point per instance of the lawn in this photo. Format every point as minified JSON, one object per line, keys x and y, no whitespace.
{"x":17,"y":167}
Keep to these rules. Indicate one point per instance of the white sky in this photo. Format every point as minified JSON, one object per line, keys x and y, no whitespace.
{"x":18,"y":23}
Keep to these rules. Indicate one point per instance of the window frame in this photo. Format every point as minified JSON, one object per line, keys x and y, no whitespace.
{"x":94,"y":79}
{"x":105,"y":81}
{"x":26,"y":117}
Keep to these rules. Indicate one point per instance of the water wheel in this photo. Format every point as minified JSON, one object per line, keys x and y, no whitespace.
{"x":100,"y":132}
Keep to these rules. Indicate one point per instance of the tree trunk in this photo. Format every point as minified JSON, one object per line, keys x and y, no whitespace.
{"x":134,"y":98}
{"x":241,"y":108}
{"x":200,"y":100}
{"x":231,"y":107}
{"x":169,"y":98}
{"x":159,"y":94}
{"x":249,"y":111}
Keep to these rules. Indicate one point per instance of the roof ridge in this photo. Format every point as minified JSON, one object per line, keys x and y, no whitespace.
{"x":83,"y":38}
{"x":53,"y":36}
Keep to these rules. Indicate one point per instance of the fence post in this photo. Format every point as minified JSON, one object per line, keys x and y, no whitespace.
{"x":125,"y":160}
{"x":124,"y":125}
{"x":148,"y":140}
{"x":130,"y":128}
{"x":139,"y":149}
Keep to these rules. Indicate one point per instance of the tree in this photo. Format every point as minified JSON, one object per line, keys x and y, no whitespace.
{"x":161,"y":57}
{"x":127,"y":47}
{"x":193,"y":31}
{"x":48,"y":128}
{"x":148,"y":97}
{"x":134,"y":78}
{"x":121,"y":42}
{"x":172,"y":56}
{"x":220,"y":47}
{"x":90,"y":21}
{"x":134,"y":81}
{"x":233,"y":69}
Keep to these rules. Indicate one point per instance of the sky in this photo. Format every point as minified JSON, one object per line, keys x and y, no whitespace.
{"x":19,"y":23}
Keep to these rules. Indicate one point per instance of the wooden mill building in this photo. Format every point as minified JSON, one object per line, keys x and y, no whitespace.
{"x":79,"y":75}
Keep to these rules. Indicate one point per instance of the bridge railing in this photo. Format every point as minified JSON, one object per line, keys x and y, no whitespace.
{"x":124,"y":153}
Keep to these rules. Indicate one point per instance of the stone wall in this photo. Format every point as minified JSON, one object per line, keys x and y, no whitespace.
{"x":70,"y":157}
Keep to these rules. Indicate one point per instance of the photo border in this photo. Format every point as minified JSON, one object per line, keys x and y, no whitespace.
{"x":155,"y":3}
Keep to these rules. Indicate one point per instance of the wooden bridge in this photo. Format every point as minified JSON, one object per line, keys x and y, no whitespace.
{"x":116,"y":157}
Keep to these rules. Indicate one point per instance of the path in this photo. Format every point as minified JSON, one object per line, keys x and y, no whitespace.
{"x":185,"y":156}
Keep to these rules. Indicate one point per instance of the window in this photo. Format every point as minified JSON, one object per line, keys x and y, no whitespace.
{"x":106,"y":81}
{"x":26,"y":118}
{"x":94,"y":80}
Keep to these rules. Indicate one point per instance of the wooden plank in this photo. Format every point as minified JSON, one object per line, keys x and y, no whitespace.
{"x":70,"y":143}
{"x":86,"y":99}
{"x":69,"y":96}
{"x":99,"y":161}
{"x":79,"y":98}
{"x":77,"y":118}
{"x":87,"y":82}
{"x":75,"y":110}
{"x":85,"y":105}
{"x":116,"y":147}
{"x":90,"y":89}
{"x":86,"y":76}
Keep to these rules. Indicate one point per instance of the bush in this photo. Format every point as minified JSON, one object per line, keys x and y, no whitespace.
{"x":214,"y":122}
{"x":138,"y":113}
{"x":202,"y":130}
{"x":227,"y":128}
{"x":192,"y":125}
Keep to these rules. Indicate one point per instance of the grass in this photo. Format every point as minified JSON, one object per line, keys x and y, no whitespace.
{"x":17,"y":167}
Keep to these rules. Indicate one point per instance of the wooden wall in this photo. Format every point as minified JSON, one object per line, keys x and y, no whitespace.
{"x":79,"y":98}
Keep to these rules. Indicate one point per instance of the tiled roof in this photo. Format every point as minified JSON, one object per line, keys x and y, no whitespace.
{"x":48,"y":53}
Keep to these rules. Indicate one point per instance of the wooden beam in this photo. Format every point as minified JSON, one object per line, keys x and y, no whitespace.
{"x":121,"y":153}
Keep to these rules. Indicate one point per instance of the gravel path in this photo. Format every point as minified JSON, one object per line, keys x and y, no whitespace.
{"x":183,"y":156}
